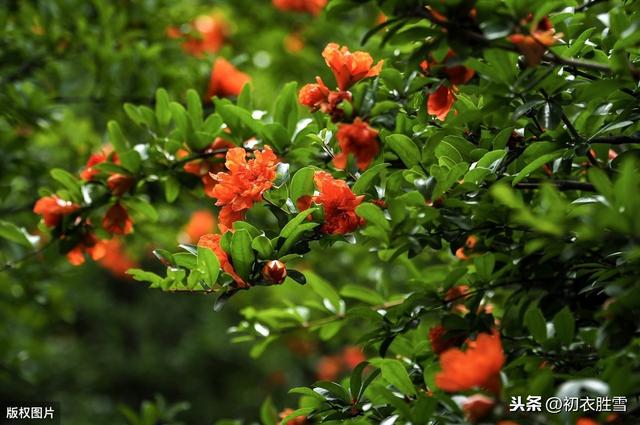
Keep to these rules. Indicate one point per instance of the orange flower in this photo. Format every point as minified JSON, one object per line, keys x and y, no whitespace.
{"x":314,"y":95}
{"x":203,"y":168}
{"x":440,"y":342}
{"x":328,"y":368}
{"x":200,"y":223}
{"x":117,"y":220}
{"x":99,"y":157}
{"x":52,"y":209}
{"x":225,"y":79}
{"x":508,"y":423}
{"x":533,"y":45}
{"x":477,"y":407}
{"x":293,"y":42}
{"x":119,"y":184}
{"x":312,"y":7}
{"x":440,"y":102}
{"x":347,"y":67}
{"x":116,"y":260}
{"x":457,"y":295}
{"x":352,"y":356}
{"x":212,"y":241}
{"x":586,"y":421}
{"x":298,"y":420}
{"x":358,"y":139}
{"x":457,"y":74}
{"x":210,"y":30}
{"x":339,"y":204}
{"x":243,"y":184}
{"x":319,"y":97}
{"x":91,"y":245}
{"x":477,"y":367}
{"x":464,"y":251}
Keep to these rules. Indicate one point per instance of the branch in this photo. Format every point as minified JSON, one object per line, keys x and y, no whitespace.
{"x":549,"y":56}
{"x":11,"y":264}
{"x":588,"y":4}
{"x":615,"y":140}
{"x":559,"y":184}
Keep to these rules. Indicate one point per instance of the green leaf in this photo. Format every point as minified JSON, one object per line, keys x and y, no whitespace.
{"x":241,"y":253}
{"x":394,"y":372}
{"x":145,"y":276}
{"x":165,"y":257}
{"x":302,"y":183}
{"x":116,"y":137}
{"x":245,"y":100}
{"x":336,"y":390}
{"x":565,"y":325}
{"x":68,"y":180}
{"x":130,"y":160}
{"x":262,"y":245}
{"x":171,"y":188}
{"x":208,"y":265}
{"x":535,"y":322}
{"x":194,"y":108}
{"x":294,"y":237}
{"x":289,"y":228}
{"x":134,"y":113}
{"x":236,"y":117}
{"x":373,"y":215}
{"x":142,"y":207}
{"x":404,"y":147}
{"x":364,"y":181}
{"x":186,"y":260}
{"x":362,"y":293}
{"x":355,"y":381}
{"x":307,"y":392}
{"x":535,"y":164}
{"x":163,"y":113}
{"x":286,"y":107}
{"x":550,"y":115}
{"x":304,"y":411}
{"x":601,"y":182}
{"x":17,"y":234}
{"x":325,"y":291}
{"x":484,"y":266}
{"x":268,"y":413}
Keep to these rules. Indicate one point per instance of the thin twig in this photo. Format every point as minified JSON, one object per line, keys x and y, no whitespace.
{"x":588,"y":4}
{"x":11,"y":264}
{"x":559,"y":184}
{"x":615,"y":140}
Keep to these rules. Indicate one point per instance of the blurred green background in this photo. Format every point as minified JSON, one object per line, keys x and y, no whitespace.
{"x":87,"y":337}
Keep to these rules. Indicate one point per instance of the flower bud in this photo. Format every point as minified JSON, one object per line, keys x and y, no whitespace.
{"x":274,"y":272}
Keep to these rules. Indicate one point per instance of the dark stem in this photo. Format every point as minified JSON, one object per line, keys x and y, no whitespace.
{"x":11,"y":264}
{"x":615,"y":140}
{"x":559,"y":184}
{"x":588,"y":5}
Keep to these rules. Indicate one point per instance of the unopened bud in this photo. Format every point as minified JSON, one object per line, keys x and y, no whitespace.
{"x":274,"y":272}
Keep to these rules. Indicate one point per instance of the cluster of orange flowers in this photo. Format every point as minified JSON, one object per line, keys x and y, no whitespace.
{"x":439,"y":102}
{"x":205,"y":167}
{"x":243,"y":184}
{"x":338,"y":203}
{"x":540,"y":37}
{"x":116,"y":220}
{"x":475,"y":368}
{"x":206,"y":35}
{"x":330,"y":367}
{"x":533,"y":44}
{"x":356,"y":138}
